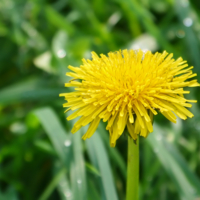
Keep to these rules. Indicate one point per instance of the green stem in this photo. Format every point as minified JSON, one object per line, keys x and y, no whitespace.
{"x":132,"y":187}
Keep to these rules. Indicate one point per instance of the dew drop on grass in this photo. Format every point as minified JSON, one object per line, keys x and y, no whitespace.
{"x":61,"y":53}
{"x":188,"y":22}
{"x":67,"y":143}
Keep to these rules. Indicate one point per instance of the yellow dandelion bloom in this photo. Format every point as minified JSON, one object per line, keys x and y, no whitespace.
{"x":125,"y":89}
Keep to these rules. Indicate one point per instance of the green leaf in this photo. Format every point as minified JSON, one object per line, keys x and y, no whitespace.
{"x":92,"y":169}
{"x":30,"y":89}
{"x":135,"y":7}
{"x":56,"y":133}
{"x":186,"y":13}
{"x":188,"y":185}
{"x":58,"y":20}
{"x":77,"y":170}
{"x":64,"y":189}
{"x":52,"y":184}
{"x":9,"y":194}
{"x":93,"y":194}
{"x":45,"y":146}
{"x":99,"y":158}
{"x":114,"y":154}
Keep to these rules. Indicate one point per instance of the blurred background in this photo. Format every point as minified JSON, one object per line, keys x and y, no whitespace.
{"x":39,"y":158}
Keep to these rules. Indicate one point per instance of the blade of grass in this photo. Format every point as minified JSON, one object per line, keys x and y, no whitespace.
{"x":97,"y":150}
{"x":113,"y":152}
{"x":188,"y":185}
{"x":9,"y":194}
{"x":141,"y":13}
{"x":60,"y":139}
{"x":52,"y":184}
{"x":28,"y":89}
{"x":93,"y":192}
{"x":64,"y":189}
{"x":184,"y":13}
{"x":58,"y":20}
{"x":77,"y":170}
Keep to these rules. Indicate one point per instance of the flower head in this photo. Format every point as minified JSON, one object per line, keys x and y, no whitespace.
{"x":125,"y":89}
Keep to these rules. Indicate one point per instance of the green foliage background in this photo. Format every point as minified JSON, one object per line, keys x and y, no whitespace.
{"x":39,"y":158}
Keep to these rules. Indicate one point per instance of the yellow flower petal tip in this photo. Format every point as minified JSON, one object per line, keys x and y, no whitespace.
{"x":126,"y":89}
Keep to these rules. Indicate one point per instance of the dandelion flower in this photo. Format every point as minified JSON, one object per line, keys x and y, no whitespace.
{"x":126,"y":89}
